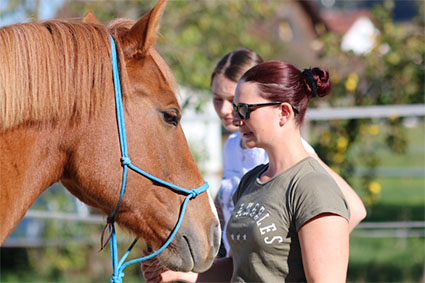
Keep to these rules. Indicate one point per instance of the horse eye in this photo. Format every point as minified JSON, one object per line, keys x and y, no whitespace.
{"x":171,"y":117}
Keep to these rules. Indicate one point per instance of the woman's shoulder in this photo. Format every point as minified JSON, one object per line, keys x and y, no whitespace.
{"x":315,"y":192}
{"x":306,"y":174}
{"x":311,"y":170}
{"x":233,"y":138}
{"x":233,"y":142}
{"x":307,"y":146}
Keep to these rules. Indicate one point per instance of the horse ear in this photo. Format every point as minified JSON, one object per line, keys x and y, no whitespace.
{"x":90,"y":18}
{"x":145,"y":32}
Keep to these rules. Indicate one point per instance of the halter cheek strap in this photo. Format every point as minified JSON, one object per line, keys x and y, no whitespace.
{"x":118,"y":267}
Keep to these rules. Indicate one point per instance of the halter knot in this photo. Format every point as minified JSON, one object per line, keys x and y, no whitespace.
{"x":125,"y":161}
{"x":116,"y":278}
{"x":194,"y":193}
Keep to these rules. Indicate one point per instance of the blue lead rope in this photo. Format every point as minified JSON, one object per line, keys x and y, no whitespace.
{"x":118,"y":267}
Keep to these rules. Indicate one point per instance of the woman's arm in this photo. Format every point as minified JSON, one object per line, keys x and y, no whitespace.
{"x":324,"y":242}
{"x":154,"y":272}
{"x":221,"y":271}
{"x":357,"y":209}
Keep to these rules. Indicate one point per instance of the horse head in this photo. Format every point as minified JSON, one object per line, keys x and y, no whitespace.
{"x":83,"y":151}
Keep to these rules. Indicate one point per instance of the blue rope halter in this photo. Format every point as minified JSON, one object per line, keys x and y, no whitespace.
{"x":118,"y":267}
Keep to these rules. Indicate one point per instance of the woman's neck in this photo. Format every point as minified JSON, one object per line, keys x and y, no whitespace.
{"x":284,"y":155}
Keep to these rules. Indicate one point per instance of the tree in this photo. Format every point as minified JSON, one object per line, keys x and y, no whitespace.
{"x":392,"y":73}
{"x":196,"y":34}
{"x":28,"y":9}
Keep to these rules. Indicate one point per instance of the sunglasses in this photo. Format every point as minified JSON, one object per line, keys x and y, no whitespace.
{"x":244,"y":109}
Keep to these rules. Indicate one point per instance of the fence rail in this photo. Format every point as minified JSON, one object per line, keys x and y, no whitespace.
{"x":405,"y":229}
{"x":402,"y":229}
{"x":363,"y":112}
{"x":366,"y":229}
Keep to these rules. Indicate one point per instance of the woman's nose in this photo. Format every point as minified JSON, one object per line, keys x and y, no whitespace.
{"x":225,"y":108}
{"x":237,"y":121}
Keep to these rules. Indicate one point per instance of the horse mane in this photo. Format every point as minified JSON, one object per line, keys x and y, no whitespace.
{"x":52,"y":70}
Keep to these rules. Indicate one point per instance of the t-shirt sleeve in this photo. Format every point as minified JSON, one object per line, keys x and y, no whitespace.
{"x":315,"y":194}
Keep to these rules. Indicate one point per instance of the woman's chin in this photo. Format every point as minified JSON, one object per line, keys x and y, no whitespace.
{"x":229,"y":127}
{"x":248,"y":142}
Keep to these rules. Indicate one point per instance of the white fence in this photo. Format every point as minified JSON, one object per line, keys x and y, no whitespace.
{"x":382,"y":111}
{"x":203,"y":130}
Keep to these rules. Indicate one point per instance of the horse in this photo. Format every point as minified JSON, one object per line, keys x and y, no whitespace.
{"x":58,"y":123}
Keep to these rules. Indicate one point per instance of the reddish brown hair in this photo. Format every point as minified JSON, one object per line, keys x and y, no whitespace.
{"x":281,"y":81}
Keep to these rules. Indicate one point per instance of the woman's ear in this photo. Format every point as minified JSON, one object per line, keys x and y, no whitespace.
{"x":286,"y":112}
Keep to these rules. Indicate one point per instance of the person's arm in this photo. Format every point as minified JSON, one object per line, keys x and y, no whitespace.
{"x":357,"y":209}
{"x":324,"y":242}
{"x":220,"y":271}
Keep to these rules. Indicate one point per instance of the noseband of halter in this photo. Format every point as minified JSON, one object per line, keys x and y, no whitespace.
{"x":118,"y":267}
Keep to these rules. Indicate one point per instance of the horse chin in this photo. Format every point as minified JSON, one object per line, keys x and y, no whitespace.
{"x":180,"y":256}
{"x":176,"y":260}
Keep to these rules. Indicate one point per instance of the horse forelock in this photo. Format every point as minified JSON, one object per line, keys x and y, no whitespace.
{"x":52,"y":70}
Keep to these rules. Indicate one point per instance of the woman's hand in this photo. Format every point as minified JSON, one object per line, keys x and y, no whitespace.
{"x":154,"y":272}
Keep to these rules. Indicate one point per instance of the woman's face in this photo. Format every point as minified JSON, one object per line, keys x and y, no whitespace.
{"x":223,"y":92}
{"x":257,"y":130}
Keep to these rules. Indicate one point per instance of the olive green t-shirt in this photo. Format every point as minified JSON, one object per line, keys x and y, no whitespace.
{"x":262,"y":231}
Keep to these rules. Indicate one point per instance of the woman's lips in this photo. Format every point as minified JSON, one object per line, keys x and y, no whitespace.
{"x":228,"y":120}
{"x":246,"y":135}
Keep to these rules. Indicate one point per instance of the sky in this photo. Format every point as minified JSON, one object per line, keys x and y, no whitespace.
{"x":48,"y":9}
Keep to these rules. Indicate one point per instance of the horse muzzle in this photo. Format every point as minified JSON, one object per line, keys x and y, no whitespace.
{"x":192,"y":249}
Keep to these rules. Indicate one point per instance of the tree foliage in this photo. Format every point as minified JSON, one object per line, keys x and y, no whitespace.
{"x":196,"y":34}
{"x":29,"y":9}
{"x":392,"y":73}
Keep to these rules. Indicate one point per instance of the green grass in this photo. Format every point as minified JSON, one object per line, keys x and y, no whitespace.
{"x":39,"y":265}
{"x":386,"y":259}
{"x":401,"y":199}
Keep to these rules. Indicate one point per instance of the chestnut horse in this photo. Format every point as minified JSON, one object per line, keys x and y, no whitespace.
{"x":58,"y":123}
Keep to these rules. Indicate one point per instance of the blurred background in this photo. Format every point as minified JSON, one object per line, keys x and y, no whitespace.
{"x":370,"y":129}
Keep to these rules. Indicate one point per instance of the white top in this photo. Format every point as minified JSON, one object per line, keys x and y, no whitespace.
{"x":236,"y":162}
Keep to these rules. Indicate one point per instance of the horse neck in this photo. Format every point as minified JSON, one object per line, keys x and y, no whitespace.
{"x":31,"y":162}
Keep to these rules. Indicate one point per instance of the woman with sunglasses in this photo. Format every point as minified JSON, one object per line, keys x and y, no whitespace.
{"x":222,"y":269}
{"x":291,"y":221}
{"x":237,"y":158}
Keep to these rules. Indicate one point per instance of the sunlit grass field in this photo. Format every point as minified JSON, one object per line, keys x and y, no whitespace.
{"x":394,"y":259}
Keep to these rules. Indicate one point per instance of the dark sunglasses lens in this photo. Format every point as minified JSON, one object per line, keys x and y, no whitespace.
{"x":243,"y":111}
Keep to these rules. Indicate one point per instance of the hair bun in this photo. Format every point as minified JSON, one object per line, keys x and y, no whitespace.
{"x":317,"y":82}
